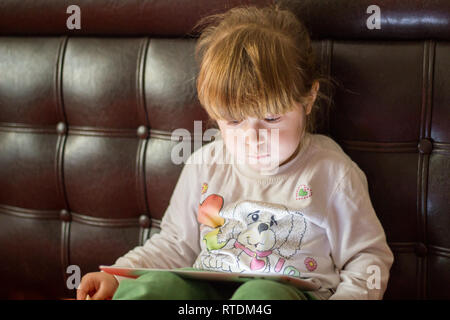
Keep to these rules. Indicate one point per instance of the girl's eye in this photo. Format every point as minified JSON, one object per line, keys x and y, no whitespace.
{"x":234,"y":122}
{"x":274,"y":119}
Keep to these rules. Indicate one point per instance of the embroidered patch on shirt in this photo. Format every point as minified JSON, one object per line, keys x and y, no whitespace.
{"x":204,"y":187}
{"x":302,"y":192}
{"x":209,"y":209}
{"x":310,"y":264}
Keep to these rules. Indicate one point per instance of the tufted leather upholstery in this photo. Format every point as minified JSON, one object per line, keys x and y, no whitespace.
{"x":86,"y":118}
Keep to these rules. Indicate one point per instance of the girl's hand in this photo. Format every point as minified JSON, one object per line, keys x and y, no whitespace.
{"x":97,"y":286}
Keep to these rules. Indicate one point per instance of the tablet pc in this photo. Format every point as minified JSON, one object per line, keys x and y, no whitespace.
{"x":191,"y":273}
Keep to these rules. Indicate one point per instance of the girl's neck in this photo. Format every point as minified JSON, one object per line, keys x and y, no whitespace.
{"x":296,"y":151}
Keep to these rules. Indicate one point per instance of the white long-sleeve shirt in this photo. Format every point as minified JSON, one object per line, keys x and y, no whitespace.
{"x":313,"y":220}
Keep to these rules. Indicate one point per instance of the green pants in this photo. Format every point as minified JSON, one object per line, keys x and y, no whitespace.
{"x":165,"y":285}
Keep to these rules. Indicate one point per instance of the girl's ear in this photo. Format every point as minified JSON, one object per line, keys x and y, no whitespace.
{"x":313,"y":96}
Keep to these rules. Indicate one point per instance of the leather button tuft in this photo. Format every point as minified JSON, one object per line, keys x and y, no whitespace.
{"x":421,"y":249}
{"x":144,"y":221}
{"x":65,"y":215}
{"x":61,"y":128}
{"x":142,"y":132}
{"x":425,"y":146}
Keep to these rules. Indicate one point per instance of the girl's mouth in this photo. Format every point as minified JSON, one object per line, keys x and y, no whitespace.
{"x":259,"y":156}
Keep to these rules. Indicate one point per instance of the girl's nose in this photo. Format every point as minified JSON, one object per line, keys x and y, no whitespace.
{"x":255,"y":135}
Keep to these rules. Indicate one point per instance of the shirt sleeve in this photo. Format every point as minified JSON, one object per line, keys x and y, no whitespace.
{"x":177,"y":244}
{"x":357,"y":239}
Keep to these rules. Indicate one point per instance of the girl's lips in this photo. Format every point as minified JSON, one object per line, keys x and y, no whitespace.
{"x":259,"y":157}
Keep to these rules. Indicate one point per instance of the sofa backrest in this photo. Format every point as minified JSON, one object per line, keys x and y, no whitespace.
{"x":86,"y":117}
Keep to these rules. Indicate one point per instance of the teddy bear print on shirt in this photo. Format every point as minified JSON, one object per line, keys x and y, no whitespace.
{"x":249,"y":236}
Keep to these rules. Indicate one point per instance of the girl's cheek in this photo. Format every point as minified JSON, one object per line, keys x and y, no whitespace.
{"x":232,"y":146}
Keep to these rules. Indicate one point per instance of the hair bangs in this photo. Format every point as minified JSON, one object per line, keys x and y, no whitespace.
{"x":244,"y":76}
{"x":256,"y":62}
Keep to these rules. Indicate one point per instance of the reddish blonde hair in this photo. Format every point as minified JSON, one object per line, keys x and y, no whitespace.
{"x":253,"y":62}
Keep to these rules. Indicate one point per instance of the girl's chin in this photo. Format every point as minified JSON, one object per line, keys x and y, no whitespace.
{"x":262,"y":164}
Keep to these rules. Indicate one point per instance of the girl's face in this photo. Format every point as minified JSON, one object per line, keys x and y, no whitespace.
{"x":265,"y":144}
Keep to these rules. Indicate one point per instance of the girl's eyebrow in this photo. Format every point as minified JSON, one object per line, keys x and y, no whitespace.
{"x":257,"y":211}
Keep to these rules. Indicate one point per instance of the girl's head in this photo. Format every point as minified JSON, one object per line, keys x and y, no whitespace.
{"x":257,"y":71}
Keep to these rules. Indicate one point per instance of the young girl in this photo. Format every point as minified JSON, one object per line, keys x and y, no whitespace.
{"x":267,"y":196}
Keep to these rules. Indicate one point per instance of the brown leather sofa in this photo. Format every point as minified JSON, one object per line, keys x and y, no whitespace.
{"x":86,"y":117}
